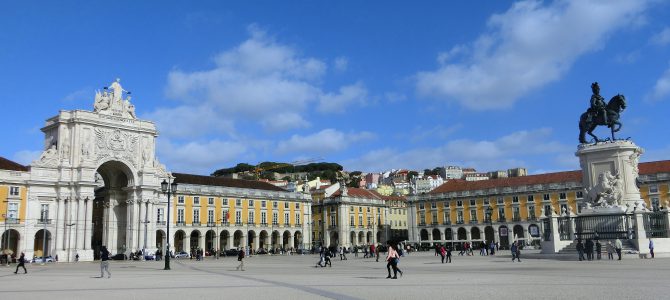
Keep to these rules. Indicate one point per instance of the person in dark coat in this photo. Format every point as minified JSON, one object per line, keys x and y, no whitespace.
{"x":599,"y":250}
{"x":22,"y":264}
{"x":580,"y":250}
{"x":588,"y":247}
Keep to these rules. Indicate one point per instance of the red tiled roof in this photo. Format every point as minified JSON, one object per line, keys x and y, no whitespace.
{"x":394,"y":198}
{"x":359,"y":193}
{"x":222,"y":181}
{"x":6,"y":164}
{"x":457,"y":185}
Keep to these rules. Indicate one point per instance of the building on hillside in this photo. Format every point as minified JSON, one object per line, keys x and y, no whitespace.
{"x":349,"y":217}
{"x":476,"y":176}
{"x":516,"y":172}
{"x":505,"y":209}
{"x":372,"y":180}
{"x":14,"y":182}
{"x":497,"y":174}
{"x":452,"y":172}
{"x":384,"y":190}
{"x":425,"y":184}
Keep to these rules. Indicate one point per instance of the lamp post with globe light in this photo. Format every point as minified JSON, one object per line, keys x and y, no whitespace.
{"x":168,"y":188}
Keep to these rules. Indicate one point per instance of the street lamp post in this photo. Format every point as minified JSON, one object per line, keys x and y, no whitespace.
{"x":44,"y":237}
{"x":168,"y":189}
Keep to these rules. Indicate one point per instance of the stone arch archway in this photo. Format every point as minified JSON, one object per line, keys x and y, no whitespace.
{"x":114,"y":209}
{"x":462,"y":234}
{"x":361,"y":237}
{"x":352,"y":238}
{"x":42,"y":244}
{"x":237,"y":239}
{"x":448,"y":234}
{"x":423,"y":235}
{"x":286,"y":239}
{"x":475,"y":234}
{"x":210,"y":241}
{"x":223,"y":240}
{"x":179,"y":237}
{"x":334,"y":239}
{"x":160,"y":240}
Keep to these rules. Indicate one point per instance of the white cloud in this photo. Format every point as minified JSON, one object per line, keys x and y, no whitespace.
{"x":509,"y":151}
{"x":661,"y":88}
{"x":189,"y":121}
{"x":525,"y":48}
{"x":324,"y":141}
{"x":346,"y":96}
{"x":259,"y":81}
{"x":200,"y":157}
{"x":25,"y":157}
{"x":395,"y":97}
{"x":341,"y":64}
{"x":661,"y":38}
{"x":80,"y":95}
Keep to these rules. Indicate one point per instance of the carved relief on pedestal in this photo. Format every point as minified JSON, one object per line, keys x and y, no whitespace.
{"x":116,"y":144}
{"x":634,"y":160}
{"x":607,"y":192}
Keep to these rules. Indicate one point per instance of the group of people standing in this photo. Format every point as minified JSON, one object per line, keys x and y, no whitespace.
{"x":589,"y":246}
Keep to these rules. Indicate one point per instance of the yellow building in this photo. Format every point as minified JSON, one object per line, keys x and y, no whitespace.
{"x":397,"y":217}
{"x":348,"y":217}
{"x":505,"y":209}
{"x":13,"y":193}
{"x":232,"y":213}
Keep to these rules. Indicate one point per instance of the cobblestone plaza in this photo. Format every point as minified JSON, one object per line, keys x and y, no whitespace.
{"x":295,"y":277}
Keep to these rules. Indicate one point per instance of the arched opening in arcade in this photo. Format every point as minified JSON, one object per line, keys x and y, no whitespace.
{"x":286,"y":237}
{"x":10,"y":241}
{"x":237,"y":239}
{"x":475,"y":234}
{"x":210,"y":242}
{"x":423,"y":235}
{"x":297,"y":240}
{"x":160,"y":240}
{"x":334,"y":239}
{"x":462,"y":234}
{"x":179,"y":238}
{"x":275,"y":239}
{"x":369,"y":236}
{"x":42,"y":243}
{"x":110,"y":208}
{"x":352,"y":238}
{"x":361,"y":238}
{"x":437,"y":235}
{"x":489,"y":234}
{"x":223,"y":240}
{"x":195,"y":240}
{"x":263,"y":240}
{"x":448,"y":234}
{"x":519,"y":234}
{"x":503,"y":232}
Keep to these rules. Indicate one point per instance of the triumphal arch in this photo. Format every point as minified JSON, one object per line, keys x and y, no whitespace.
{"x":97,"y":179}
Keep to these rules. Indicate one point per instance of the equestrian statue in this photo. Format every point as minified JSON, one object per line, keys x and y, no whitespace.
{"x":601,"y":114}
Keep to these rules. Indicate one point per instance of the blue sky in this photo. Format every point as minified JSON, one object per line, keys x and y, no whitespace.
{"x":372,"y":85}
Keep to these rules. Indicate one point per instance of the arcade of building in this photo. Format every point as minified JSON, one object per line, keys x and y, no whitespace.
{"x":509,"y":209}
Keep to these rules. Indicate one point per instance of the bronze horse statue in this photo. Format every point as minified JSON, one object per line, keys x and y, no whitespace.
{"x":591,"y":119}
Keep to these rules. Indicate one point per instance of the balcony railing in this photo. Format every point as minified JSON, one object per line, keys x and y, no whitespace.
{"x":460,"y":222}
{"x":502,"y":220}
{"x":446,"y":223}
{"x":238,"y":224}
{"x":422,"y":224}
{"x":195,"y":224}
{"x":43,"y":221}
{"x":211,"y":224}
{"x":265,"y":224}
{"x":436,"y":223}
{"x":473,"y":221}
{"x":161,"y":223}
{"x":516,"y":219}
{"x":12,"y":221}
{"x":180,"y":223}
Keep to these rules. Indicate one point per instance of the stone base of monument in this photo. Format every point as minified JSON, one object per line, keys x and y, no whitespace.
{"x":613,"y":206}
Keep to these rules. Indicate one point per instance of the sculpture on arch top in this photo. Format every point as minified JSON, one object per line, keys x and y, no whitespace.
{"x":113,"y":103}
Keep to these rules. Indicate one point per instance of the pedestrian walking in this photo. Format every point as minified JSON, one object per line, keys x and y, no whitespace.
{"x":610,"y":250}
{"x":617,"y":247}
{"x":448,"y":254}
{"x":443,"y":253}
{"x":599,"y":250}
{"x":365,"y":252}
{"x":580,"y":249}
{"x":355,"y":251}
{"x":493,"y":248}
{"x":377,"y":253}
{"x":437,"y":249}
{"x":104,"y":262}
{"x":651,"y":248}
{"x":516,"y":253}
{"x":240,"y":258}
{"x":76,"y":257}
{"x":22,"y":264}
{"x":392,"y":260}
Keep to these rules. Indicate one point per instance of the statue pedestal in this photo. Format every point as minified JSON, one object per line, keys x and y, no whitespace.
{"x":614,"y":159}
{"x":602,"y":210}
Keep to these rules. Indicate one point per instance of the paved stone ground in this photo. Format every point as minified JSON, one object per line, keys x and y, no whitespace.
{"x":295,"y":277}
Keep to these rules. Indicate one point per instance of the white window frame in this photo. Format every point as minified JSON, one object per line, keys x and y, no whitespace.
{"x":196,"y":200}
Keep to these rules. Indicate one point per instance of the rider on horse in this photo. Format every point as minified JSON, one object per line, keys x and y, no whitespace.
{"x":598,"y":104}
